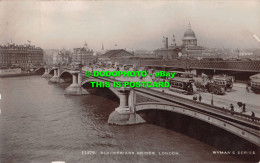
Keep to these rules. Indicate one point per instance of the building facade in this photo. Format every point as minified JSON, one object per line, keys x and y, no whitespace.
{"x":24,"y":56}
{"x":50,"y":56}
{"x":83,"y":55}
{"x":63,"y":57}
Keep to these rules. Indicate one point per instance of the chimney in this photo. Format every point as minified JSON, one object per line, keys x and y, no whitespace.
{"x":166,"y":42}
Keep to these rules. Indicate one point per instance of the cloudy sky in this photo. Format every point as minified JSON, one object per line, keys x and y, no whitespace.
{"x":130,"y":25}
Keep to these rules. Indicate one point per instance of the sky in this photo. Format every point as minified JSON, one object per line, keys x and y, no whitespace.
{"x":129,"y":25}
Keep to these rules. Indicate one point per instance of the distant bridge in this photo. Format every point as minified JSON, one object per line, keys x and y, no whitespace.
{"x":243,"y":66}
{"x":134,"y":100}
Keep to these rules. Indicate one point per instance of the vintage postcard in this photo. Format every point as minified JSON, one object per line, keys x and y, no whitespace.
{"x":129,"y":81}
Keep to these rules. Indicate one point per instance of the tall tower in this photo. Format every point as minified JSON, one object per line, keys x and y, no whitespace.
{"x":102,"y":46}
{"x":173,"y":40}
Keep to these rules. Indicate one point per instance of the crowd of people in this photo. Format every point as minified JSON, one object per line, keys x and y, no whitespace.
{"x":241,"y":105}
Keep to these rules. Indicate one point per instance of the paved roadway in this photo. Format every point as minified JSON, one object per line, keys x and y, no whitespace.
{"x":237,"y":94}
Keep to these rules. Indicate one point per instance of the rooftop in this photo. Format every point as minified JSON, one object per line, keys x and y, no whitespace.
{"x":116,"y":53}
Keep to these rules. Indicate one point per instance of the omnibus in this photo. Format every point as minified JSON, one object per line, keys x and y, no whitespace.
{"x":183,"y":85}
{"x":255,"y":85}
{"x":228,"y":80}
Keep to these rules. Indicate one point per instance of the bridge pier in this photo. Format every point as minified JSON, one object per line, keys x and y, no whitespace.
{"x":75,"y":88}
{"x":49,"y":75}
{"x":56,"y":77}
{"x":125,"y":114}
{"x":46,"y":73}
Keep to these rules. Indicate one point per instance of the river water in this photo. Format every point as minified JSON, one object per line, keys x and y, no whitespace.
{"x":38,"y":123}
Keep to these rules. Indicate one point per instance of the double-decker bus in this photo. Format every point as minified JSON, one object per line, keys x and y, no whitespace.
{"x":255,"y":83}
{"x":182,"y":82}
{"x":227,"y":80}
{"x":183,"y":85}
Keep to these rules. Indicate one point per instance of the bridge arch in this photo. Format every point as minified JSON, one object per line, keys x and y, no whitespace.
{"x":51,"y":71}
{"x":40,"y":70}
{"x":66,"y":76}
{"x":220,"y":123}
{"x":111,"y":88}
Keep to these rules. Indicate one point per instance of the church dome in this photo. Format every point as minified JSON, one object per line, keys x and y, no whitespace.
{"x":189,"y":37}
{"x":189,"y":33}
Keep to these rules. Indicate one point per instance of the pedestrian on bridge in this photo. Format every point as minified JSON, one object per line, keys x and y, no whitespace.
{"x":253,"y":116}
{"x":247,"y":89}
{"x":244,"y":108}
{"x":231,"y":107}
{"x":200,"y":98}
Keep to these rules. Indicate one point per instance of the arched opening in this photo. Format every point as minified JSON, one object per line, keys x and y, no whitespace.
{"x":51,"y":72}
{"x":40,"y":71}
{"x":104,"y":92}
{"x":67,"y":77}
{"x":200,"y":130}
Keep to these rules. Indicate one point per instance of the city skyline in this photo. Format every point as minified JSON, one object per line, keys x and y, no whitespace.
{"x":130,"y":25}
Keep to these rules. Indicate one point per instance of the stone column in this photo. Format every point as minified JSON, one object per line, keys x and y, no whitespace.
{"x":56,"y":76}
{"x":74,"y":79}
{"x":123,"y":96}
{"x":79,"y":79}
{"x":75,"y":88}
{"x":46,"y":73}
{"x":58,"y":72}
{"x":55,"y":73}
{"x":123,"y":115}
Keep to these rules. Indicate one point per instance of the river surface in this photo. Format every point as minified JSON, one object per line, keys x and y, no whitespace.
{"x":38,"y":123}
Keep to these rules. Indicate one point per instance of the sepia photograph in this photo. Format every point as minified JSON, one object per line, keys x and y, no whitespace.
{"x":117,"y":81}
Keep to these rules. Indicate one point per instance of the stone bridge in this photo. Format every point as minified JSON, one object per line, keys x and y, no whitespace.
{"x":134,"y":100}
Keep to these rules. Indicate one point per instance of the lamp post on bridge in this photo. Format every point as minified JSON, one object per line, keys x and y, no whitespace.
{"x":212,"y":102}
